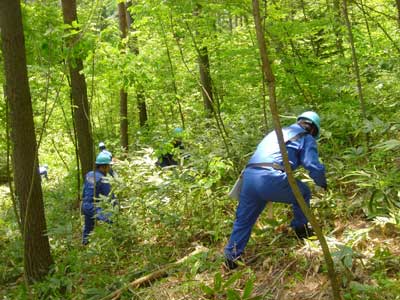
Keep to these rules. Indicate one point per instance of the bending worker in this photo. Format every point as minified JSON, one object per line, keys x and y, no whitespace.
{"x":95,"y":185}
{"x":166,"y":155}
{"x":264,"y":179}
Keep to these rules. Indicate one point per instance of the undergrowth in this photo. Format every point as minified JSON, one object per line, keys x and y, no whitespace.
{"x":164,"y":214}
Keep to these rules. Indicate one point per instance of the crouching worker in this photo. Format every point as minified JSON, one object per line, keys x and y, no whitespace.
{"x":96,"y":185}
{"x":264,"y":179}
{"x":167,"y":155}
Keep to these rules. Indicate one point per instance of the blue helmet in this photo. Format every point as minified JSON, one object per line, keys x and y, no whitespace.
{"x":313,"y":118}
{"x":178,"y":131}
{"x":103,"y":159}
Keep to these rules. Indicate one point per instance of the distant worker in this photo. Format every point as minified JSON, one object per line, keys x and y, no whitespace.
{"x":43,"y":171}
{"x":103,"y":149}
{"x":95,"y":182}
{"x":265,"y":179}
{"x":166,"y":156}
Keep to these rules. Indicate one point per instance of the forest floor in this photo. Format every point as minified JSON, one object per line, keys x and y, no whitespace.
{"x":290,"y":277}
{"x":154,"y":233}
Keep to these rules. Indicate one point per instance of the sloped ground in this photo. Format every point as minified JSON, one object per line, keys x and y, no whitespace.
{"x":155,"y":229}
{"x":291,"y":270}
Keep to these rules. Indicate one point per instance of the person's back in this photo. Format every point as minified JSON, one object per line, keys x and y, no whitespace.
{"x":43,"y":171}
{"x":268,"y":149}
{"x":301,"y":148}
{"x":95,"y":179}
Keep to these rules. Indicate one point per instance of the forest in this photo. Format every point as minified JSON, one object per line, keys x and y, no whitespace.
{"x":136,"y":76}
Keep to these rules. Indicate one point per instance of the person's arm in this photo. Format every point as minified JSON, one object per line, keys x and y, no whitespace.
{"x":310,"y":160}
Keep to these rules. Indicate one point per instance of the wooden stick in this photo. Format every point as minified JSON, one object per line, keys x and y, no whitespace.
{"x":270,"y":210}
{"x":154,"y":275}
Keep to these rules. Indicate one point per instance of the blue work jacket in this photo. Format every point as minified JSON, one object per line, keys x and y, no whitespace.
{"x":302,"y":151}
{"x":103,"y":187}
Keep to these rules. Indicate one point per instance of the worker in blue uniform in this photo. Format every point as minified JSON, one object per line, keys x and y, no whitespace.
{"x":264,"y":179}
{"x":95,"y":186}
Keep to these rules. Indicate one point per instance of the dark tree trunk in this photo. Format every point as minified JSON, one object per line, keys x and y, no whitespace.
{"x":204,"y":70}
{"x":123,"y":95}
{"x":205,"y":80}
{"x":37,"y":257}
{"x":141,"y":100}
{"x":398,"y":12}
{"x":123,"y":114}
{"x":79,"y":94}
{"x":141,"y":105}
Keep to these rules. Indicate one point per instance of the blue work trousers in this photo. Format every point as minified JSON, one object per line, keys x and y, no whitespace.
{"x":260,"y":186}
{"x":90,"y":213}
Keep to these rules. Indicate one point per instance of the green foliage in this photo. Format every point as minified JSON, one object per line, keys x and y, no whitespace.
{"x":163,"y":213}
{"x":222,"y":289}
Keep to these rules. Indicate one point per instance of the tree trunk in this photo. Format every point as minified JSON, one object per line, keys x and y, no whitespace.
{"x":398,"y":12}
{"x":205,"y":80}
{"x":204,"y":70}
{"x":274,"y":111}
{"x":123,"y":95}
{"x":141,"y":100}
{"x":141,"y":105}
{"x":79,"y":93}
{"x":37,"y":257}
{"x":355,"y":61}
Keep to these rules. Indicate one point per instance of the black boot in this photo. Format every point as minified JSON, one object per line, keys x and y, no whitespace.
{"x":304,"y":232}
{"x":232,"y":264}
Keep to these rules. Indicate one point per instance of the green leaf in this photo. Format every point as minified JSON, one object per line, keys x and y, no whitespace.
{"x":207,"y":290}
{"x":248,"y":288}
{"x":232,"y":279}
{"x":218,"y":281}
{"x":232,"y":295}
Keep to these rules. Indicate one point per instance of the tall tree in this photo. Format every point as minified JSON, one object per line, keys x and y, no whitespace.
{"x":204,"y":70}
{"x":134,"y":46}
{"x":79,"y":92}
{"x":37,"y":257}
{"x":205,"y":79}
{"x":270,"y":78}
{"x":123,"y":95}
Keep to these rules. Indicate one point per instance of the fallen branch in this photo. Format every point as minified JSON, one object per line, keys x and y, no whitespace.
{"x":154,"y":275}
